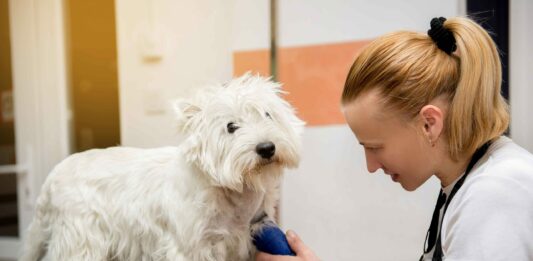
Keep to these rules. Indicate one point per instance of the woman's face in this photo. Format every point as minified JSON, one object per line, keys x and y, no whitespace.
{"x":391,"y":143}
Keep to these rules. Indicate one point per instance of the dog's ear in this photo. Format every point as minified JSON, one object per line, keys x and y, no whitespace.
{"x":185,"y":113}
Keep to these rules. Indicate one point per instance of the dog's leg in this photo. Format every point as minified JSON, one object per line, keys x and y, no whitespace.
{"x":271,"y":200}
{"x":219,"y":252}
{"x":35,"y":242}
{"x":38,"y":233}
{"x":208,"y":249}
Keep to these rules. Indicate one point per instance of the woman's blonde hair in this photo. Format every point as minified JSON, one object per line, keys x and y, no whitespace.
{"x":409,"y":70}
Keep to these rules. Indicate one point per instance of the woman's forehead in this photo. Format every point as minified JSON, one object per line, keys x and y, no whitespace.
{"x":368,"y":117}
{"x":368,"y":106}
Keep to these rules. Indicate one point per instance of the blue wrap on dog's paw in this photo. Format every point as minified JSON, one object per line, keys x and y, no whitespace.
{"x":270,"y":239}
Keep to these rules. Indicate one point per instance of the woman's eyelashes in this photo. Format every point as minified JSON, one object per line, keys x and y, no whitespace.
{"x":372,"y":148}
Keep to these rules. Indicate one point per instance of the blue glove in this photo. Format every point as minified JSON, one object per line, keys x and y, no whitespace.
{"x":270,"y":239}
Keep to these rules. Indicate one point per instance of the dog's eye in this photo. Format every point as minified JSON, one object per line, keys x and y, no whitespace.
{"x":268,"y":115}
{"x":232,"y":127}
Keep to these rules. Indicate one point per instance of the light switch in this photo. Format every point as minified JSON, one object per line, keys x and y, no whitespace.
{"x":152,"y":46}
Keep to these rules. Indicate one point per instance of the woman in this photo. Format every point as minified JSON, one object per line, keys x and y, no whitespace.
{"x":430,"y":104}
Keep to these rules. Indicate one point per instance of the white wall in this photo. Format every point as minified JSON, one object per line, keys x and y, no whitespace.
{"x":194,"y":41}
{"x":521,"y":72}
{"x":304,"y":22}
{"x":251,"y":25}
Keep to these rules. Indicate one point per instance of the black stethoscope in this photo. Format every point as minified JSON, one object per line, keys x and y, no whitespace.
{"x":433,"y":235}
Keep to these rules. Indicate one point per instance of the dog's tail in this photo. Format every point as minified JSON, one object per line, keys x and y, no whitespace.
{"x":34,"y":244}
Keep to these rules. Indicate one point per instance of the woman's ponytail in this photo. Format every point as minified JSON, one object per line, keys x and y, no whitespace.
{"x":477,"y":111}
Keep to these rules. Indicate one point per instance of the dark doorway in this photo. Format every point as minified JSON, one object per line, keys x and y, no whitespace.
{"x":493,"y":15}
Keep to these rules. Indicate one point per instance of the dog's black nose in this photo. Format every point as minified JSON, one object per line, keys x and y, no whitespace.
{"x":265,"y":149}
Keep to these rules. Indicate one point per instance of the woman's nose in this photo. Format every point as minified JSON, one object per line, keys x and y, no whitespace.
{"x":372,"y":164}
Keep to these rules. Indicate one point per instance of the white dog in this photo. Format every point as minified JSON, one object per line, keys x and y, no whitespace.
{"x":192,"y":202}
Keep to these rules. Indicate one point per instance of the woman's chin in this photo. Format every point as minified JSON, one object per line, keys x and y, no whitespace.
{"x":408,"y":187}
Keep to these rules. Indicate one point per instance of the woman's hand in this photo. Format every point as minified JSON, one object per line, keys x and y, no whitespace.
{"x":303,"y":253}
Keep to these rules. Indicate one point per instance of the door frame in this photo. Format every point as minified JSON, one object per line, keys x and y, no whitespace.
{"x":41,"y":102}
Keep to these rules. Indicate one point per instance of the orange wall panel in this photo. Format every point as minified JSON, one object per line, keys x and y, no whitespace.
{"x":257,"y":61}
{"x":313,"y":75}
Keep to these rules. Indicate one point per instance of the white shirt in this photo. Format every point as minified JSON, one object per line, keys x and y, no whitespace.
{"x":491,"y":216}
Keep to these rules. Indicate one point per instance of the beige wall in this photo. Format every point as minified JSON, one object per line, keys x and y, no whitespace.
{"x":165,"y":50}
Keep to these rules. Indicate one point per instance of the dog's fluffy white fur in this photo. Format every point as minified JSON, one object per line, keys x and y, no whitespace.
{"x":191,"y":202}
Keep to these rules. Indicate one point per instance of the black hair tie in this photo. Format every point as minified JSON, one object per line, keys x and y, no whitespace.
{"x":442,"y":36}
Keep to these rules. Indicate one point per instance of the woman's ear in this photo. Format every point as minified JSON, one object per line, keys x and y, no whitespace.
{"x":433,"y":121}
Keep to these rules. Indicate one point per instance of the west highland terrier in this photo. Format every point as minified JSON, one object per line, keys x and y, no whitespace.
{"x":193,"y":202}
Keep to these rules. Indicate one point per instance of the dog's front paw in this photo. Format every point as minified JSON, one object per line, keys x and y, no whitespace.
{"x":268,"y":237}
